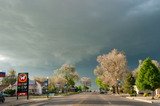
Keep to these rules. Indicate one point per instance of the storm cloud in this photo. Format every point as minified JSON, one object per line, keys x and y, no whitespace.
{"x":44,"y":34}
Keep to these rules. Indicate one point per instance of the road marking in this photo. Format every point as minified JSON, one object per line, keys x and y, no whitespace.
{"x":109,"y":102}
{"x":78,"y":104}
{"x":105,"y":100}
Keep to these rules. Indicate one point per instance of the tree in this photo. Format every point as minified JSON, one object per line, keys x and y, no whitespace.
{"x":10,"y":78}
{"x":112,"y":67}
{"x":129,"y":82}
{"x":69,"y":73}
{"x":40,"y":79}
{"x":86,"y":82}
{"x":148,"y":77}
{"x":58,"y":81}
{"x":102,"y":85}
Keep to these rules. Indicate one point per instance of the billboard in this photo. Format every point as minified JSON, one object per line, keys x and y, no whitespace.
{"x":22,"y":84}
{"x":2,"y":74}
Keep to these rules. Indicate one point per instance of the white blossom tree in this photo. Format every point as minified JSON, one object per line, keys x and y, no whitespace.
{"x":86,"y":82}
{"x":114,"y":66}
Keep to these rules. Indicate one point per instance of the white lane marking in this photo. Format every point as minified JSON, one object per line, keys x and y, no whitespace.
{"x":109,"y":102}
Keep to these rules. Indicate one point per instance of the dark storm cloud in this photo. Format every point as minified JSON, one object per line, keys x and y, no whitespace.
{"x":48,"y":33}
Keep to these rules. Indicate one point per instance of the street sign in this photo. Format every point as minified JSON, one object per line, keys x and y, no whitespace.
{"x":2,"y":74}
{"x":22,"y":84}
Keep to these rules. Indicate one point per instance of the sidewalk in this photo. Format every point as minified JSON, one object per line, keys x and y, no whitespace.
{"x":140,"y":98}
{"x":12,"y":101}
{"x":145,"y":99}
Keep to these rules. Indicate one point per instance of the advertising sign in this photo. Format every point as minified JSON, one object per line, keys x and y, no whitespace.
{"x":2,"y":74}
{"x":22,"y":85}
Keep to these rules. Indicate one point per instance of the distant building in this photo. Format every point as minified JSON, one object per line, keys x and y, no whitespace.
{"x":157,"y":91}
{"x":35,"y":87}
{"x":146,"y":91}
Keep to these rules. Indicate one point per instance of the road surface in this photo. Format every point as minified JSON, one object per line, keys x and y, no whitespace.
{"x":87,"y":99}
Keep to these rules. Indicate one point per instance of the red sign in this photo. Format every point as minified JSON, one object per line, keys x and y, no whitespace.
{"x":22,"y":85}
{"x":22,"y":93}
{"x":22,"y":78}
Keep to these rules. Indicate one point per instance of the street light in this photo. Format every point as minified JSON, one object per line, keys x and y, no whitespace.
{"x":118,"y":83}
{"x":47,"y":88}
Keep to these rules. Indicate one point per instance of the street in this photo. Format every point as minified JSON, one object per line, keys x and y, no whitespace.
{"x":83,"y":99}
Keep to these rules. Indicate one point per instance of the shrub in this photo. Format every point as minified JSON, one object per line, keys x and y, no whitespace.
{"x":146,"y":94}
{"x":133,"y":93}
{"x":10,"y":91}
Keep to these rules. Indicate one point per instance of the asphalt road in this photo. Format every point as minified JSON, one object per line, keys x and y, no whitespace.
{"x":88,"y":99}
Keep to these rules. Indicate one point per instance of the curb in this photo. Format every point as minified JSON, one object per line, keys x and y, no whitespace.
{"x":139,"y":99}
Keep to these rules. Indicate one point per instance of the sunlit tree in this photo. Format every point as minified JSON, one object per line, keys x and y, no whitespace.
{"x":102,"y":85}
{"x":148,"y":77}
{"x":86,"y":82}
{"x":40,"y":79}
{"x":10,"y":78}
{"x":69,"y":73}
{"x":113,"y":66}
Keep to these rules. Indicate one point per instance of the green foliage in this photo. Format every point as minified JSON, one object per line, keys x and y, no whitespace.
{"x":145,"y":94}
{"x":79,"y":89}
{"x":85,"y":88}
{"x":70,"y":81}
{"x":102,"y":85}
{"x":69,"y":73}
{"x":129,"y":82}
{"x":132,"y":93}
{"x":148,"y":77}
{"x":10,"y":79}
{"x":10,"y":91}
{"x":52,"y":89}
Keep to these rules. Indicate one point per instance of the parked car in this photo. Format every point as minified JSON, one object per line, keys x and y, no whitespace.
{"x":6,"y":95}
{"x":2,"y":99}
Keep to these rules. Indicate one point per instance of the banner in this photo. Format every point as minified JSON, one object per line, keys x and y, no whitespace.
{"x":2,"y":74}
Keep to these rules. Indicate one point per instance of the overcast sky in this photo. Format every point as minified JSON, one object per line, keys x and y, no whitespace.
{"x":40,"y":35}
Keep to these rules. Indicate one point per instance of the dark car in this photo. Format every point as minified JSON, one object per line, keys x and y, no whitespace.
{"x":2,"y":99}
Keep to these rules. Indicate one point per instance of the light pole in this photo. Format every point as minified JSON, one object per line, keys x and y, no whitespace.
{"x":118,"y":83}
{"x":47,"y":88}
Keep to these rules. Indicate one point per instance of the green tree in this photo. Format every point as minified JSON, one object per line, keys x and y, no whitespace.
{"x":148,"y":77}
{"x":10,"y":78}
{"x":129,"y":82}
{"x":102,"y":85}
{"x":69,"y":73}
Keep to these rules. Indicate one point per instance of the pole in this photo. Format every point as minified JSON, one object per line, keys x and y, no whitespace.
{"x":47,"y":89}
{"x":28,"y":89}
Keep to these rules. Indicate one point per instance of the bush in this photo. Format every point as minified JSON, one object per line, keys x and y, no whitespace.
{"x":158,"y":96}
{"x":10,"y":91}
{"x":133,"y":93}
{"x":146,"y":94}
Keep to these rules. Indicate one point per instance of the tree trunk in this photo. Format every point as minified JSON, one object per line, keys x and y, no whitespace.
{"x":113,"y":88}
{"x":153,"y":94}
{"x":117,"y":89}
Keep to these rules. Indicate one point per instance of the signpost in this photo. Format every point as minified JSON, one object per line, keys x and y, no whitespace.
{"x":22,"y":85}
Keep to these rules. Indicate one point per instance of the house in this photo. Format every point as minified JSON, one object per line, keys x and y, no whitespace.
{"x":35,"y":87}
{"x":141,"y":91}
{"x":157,"y":91}
{"x":3,"y":87}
